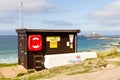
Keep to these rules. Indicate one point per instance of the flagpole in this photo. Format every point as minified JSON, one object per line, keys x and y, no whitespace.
{"x":21,"y":14}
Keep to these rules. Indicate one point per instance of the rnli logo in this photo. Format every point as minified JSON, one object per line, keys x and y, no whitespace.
{"x":77,"y":57}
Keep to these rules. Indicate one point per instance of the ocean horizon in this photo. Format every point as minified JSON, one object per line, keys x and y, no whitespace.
{"x":9,"y":46}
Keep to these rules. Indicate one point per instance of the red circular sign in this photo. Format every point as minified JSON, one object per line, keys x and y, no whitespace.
{"x":78,"y":57}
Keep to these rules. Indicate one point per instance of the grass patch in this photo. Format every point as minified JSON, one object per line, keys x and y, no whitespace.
{"x":108,"y":54}
{"x":79,"y":72}
{"x":117,"y":63}
{"x":7,"y":65}
{"x":20,"y":74}
{"x":30,"y":71}
{"x":5,"y":79}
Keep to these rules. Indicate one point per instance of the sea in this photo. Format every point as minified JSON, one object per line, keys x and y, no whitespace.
{"x":9,"y":46}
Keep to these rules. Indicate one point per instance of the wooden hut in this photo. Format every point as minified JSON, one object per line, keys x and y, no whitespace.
{"x":34,"y":44}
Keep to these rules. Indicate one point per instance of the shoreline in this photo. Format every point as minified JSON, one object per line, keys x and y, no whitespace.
{"x":9,"y":60}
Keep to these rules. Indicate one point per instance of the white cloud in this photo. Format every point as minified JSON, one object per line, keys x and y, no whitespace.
{"x":109,"y":15}
{"x":36,"y":6}
{"x":58,"y":23}
{"x":9,"y":9}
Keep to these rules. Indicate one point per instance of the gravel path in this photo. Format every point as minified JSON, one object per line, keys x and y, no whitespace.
{"x":108,"y":74}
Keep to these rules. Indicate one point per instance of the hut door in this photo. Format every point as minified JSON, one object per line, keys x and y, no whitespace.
{"x":38,"y":62}
{"x":21,"y":55}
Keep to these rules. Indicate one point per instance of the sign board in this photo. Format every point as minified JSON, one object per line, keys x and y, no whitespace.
{"x":35,"y":42}
{"x":64,"y":59}
{"x":53,"y":41}
{"x":71,"y":37}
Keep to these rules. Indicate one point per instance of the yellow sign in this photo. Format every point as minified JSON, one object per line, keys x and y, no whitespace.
{"x":53,"y":41}
{"x":71,"y":45}
{"x":53,"y":38}
{"x":53,"y":44}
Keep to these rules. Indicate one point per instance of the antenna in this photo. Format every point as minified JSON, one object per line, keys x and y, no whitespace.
{"x":21,"y":14}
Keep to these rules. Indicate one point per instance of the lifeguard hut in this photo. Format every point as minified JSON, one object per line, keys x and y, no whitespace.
{"x":34,"y":44}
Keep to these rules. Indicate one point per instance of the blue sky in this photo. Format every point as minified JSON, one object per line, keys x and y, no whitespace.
{"x":100,"y":16}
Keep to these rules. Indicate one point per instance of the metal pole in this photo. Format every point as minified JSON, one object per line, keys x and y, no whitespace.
{"x":21,"y":14}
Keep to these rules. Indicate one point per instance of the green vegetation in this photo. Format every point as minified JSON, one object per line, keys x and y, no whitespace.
{"x":30,"y":71}
{"x":117,"y":63}
{"x":7,"y":65}
{"x":20,"y":74}
{"x":5,"y":79}
{"x":109,"y":54}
